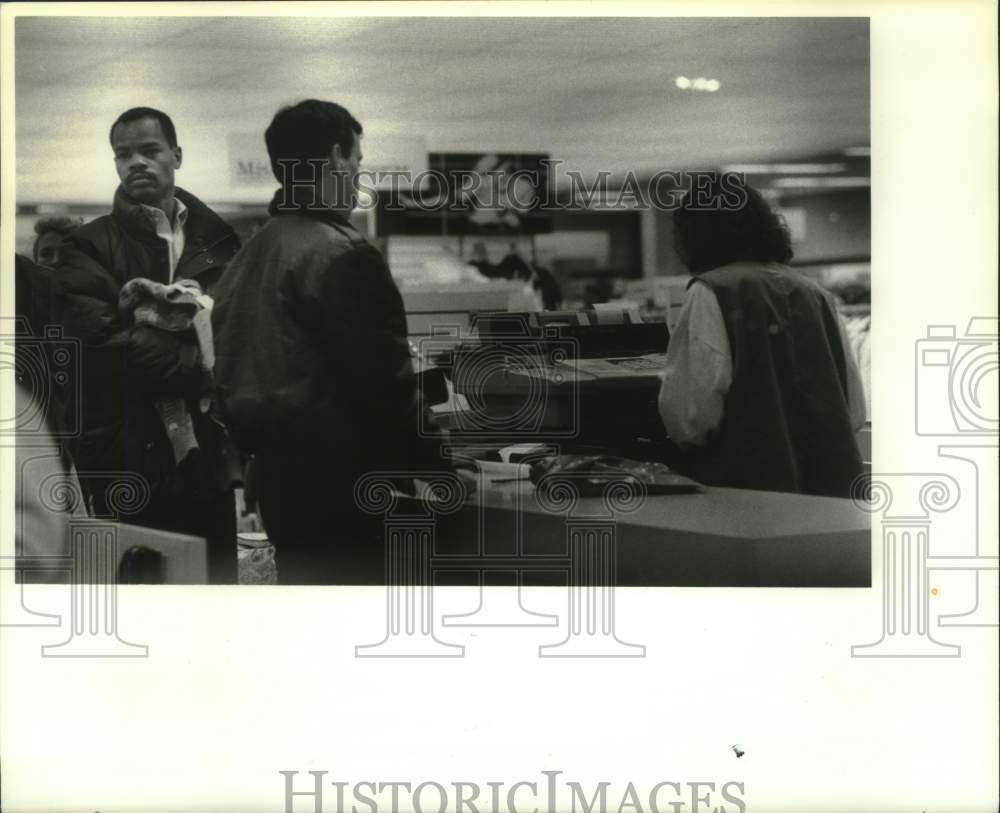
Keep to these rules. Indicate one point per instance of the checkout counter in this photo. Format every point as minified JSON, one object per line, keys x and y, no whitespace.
{"x":588,"y":383}
{"x":508,"y":533}
{"x":585,"y":380}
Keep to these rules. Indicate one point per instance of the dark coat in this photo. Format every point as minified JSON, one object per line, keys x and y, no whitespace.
{"x":312,"y":354}
{"x":46,"y":363}
{"x":126,"y":367}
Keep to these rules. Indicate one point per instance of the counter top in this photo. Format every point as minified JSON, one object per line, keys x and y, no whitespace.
{"x":719,"y":538}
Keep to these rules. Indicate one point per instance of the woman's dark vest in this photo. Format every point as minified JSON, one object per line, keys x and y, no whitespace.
{"x":786,"y":424}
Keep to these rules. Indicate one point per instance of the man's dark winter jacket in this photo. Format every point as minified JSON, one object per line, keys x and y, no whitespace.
{"x":127,"y":366}
{"x":311,"y":350}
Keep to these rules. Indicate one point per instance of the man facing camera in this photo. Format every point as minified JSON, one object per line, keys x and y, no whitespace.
{"x":129,"y":282}
{"x":313,"y":363}
{"x":760,"y":387}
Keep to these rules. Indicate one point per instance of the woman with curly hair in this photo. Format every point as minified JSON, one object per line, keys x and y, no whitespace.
{"x":760,"y":389}
{"x":50,"y":232}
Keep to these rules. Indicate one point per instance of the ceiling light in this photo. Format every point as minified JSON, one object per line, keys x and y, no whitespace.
{"x":822,"y":183}
{"x":785,"y":169}
{"x":700,"y":84}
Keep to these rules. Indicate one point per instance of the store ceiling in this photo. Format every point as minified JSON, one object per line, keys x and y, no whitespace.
{"x":598,"y":93}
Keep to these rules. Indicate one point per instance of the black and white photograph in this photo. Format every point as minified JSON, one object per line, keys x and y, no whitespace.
{"x":499,"y":407}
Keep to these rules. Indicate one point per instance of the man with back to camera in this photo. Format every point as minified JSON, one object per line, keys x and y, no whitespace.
{"x":313,"y":364}
{"x":159,"y":233}
{"x":760,"y":388}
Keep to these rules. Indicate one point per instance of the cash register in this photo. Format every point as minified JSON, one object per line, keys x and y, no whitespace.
{"x":582,"y":379}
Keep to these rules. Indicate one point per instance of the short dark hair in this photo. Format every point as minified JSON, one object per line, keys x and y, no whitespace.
{"x":136,"y":113}
{"x":62,"y":225}
{"x":709,"y":237}
{"x":308,"y":130}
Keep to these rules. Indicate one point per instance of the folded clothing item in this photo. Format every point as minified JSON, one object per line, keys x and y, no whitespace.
{"x":168,"y":307}
{"x":177,"y":307}
{"x":592,"y":473}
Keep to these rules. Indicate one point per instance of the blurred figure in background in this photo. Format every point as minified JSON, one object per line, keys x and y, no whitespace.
{"x":158,"y":233}
{"x":35,"y":295}
{"x":547,"y":286}
{"x":514,"y":267}
{"x":38,"y":346}
{"x":599,"y":291}
{"x":480,"y":259}
{"x":50,"y":232}
{"x":760,"y":386}
{"x":43,"y":495}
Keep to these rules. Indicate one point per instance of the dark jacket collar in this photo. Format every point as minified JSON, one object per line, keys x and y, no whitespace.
{"x":202,"y":223}
{"x":323,"y":214}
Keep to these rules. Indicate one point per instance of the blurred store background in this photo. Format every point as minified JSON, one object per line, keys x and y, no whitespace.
{"x":783,"y":100}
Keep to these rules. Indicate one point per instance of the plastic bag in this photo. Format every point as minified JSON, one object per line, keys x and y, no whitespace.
{"x":592,"y":473}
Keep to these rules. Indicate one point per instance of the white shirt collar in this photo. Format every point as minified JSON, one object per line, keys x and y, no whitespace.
{"x":160,"y":217}
{"x":172,"y":235}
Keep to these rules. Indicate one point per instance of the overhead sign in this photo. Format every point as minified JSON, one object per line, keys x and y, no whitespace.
{"x":472,"y":193}
{"x":249,"y":164}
